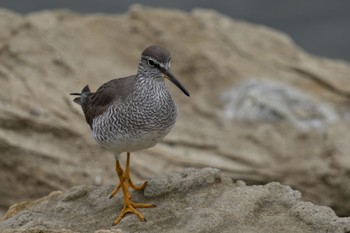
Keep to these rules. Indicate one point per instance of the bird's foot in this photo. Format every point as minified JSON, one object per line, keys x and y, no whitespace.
{"x":130,"y":207}
{"x":137,"y":187}
{"x":128,"y":183}
{"x":115,"y":190}
{"x":124,"y":184}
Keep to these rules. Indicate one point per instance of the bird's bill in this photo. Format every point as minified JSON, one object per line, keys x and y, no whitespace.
{"x":172,"y":78}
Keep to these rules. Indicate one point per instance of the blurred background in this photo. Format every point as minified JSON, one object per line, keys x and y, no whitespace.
{"x":321,"y":28}
{"x":269,"y":83}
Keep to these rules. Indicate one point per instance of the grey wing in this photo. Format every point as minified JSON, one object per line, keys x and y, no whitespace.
{"x":110,"y":92}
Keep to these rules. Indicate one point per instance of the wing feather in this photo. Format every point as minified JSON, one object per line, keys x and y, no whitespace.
{"x":111,"y":92}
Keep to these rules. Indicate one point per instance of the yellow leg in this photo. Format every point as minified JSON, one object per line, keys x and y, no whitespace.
{"x":129,"y":207}
{"x":126,"y":176}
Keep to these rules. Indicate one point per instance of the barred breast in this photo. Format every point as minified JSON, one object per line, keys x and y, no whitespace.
{"x":139,"y":123}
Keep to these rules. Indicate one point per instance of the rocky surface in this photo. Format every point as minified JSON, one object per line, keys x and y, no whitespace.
{"x":195,"y":200}
{"x":264,"y":101}
{"x":45,"y":145}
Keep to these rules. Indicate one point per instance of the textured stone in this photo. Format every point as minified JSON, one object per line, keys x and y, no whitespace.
{"x":217,"y":205}
{"x":271,"y":102}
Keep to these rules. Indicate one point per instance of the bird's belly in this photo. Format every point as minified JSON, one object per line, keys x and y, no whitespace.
{"x":137,"y":143}
{"x":132,"y":138}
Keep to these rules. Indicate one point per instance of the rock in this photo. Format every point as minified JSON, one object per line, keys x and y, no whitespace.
{"x":271,"y":102}
{"x":208,"y":202}
{"x":45,"y":145}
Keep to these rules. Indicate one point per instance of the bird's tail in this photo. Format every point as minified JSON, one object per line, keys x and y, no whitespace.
{"x":84,"y":93}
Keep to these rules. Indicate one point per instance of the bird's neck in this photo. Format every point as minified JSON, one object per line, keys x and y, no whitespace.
{"x":150,"y":84}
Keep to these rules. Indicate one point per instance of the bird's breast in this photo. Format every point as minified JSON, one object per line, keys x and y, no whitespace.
{"x":139,"y":123}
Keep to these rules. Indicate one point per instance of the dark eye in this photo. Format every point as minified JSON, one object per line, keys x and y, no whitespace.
{"x":150,"y":62}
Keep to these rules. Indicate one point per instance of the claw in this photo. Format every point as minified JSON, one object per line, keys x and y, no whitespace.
{"x":137,"y":188}
{"x":116,"y":189}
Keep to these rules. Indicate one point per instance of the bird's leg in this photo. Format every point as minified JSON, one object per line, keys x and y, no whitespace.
{"x":126,"y":177}
{"x":128,"y":207}
{"x":116,"y":189}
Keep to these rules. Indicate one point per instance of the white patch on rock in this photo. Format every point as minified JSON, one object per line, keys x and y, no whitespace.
{"x":266,"y":101}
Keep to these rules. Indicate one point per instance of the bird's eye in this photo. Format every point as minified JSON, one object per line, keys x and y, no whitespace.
{"x":150,"y":62}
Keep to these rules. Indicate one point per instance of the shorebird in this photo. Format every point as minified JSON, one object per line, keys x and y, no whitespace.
{"x":132,"y":113}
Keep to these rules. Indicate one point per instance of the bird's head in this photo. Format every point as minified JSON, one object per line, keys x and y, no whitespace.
{"x":155,"y":63}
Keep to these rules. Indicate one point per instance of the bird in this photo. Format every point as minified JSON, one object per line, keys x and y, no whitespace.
{"x":132,"y":113}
